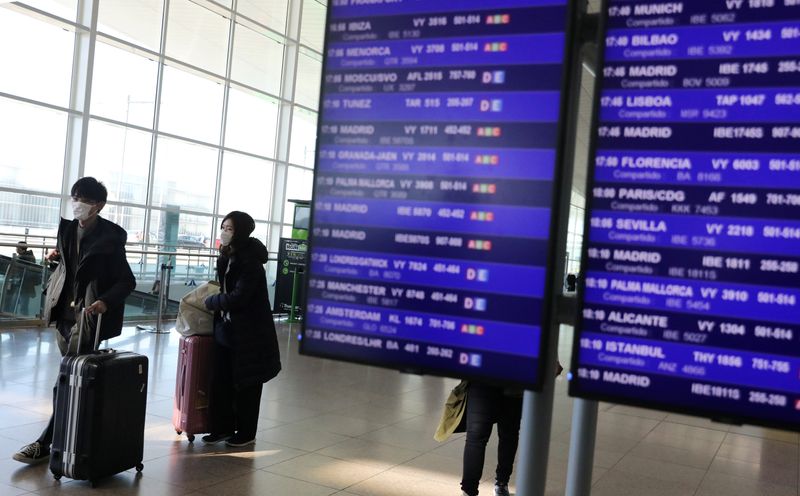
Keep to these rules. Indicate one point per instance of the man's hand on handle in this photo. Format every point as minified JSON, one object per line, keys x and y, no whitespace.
{"x":97,"y":307}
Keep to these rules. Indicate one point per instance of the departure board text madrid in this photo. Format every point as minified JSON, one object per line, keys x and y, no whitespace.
{"x":692,"y":270}
{"x":440,"y":129}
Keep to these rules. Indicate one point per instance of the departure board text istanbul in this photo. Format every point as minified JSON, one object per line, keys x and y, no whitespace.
{"x":440,"y":127}
{"x":692,"y":286}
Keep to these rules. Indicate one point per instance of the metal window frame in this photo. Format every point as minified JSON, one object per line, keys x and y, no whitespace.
{"x":87,"y":33}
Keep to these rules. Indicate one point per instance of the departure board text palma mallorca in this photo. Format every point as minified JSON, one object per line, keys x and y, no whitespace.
{"x":691,"y":298}
{"x":439,"y":132}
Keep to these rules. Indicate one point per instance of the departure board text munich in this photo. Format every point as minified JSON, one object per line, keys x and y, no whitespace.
{"x":692,"y":282}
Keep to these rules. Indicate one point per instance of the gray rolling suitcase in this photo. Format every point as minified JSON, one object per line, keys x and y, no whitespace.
{"x":99,"y":413}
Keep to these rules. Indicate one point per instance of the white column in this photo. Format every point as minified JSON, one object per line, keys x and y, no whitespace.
{"x":156,"y":118}
{"x":224,"y":124}
{"x":79,"y":99}
{"x":282,"y":140}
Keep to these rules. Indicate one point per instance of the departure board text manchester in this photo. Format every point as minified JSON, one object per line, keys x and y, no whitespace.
{"x":440,"y":124}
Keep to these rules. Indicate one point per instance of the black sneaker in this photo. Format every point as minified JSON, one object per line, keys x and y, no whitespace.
{"x":237,"y":441}
{"x":32,"y":454}
{"x":501,"y":489}
{"x":216,"y":438}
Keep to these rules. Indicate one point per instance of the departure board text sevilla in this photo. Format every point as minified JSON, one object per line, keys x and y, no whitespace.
{"x":692,"y":280}
{"x":439,"y":133}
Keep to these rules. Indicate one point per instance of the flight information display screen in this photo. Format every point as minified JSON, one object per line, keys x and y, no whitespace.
{"x":439,"y":135}
{"x":692,"y":267}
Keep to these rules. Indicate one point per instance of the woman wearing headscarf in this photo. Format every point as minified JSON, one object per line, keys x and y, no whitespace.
{"x":246,"y":351}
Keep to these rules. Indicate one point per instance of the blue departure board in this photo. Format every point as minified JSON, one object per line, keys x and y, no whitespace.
{"x":439,"y":136}
{"x":692,"y":269}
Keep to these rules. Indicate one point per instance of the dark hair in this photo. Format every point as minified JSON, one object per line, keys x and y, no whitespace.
{"x":89,"y":188}
{"x":22,"y":244}
{"x":243,"y":226}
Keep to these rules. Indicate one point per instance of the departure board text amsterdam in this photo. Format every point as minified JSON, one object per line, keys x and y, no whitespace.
{"x":692,"y":283}
{"x":438,"y":139}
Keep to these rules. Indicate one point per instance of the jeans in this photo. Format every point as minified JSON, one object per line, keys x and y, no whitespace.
{"x":232,"y":410}
{"x":487,"y":405}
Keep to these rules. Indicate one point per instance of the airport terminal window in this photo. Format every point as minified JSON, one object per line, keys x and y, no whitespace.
{"x":309,"y":72}
{"x":304,"y":137}
{"x":257,"y":59}
{"x":130,"y":218}
{"x":261,"y":232}
{"x":313,"y":28}
{"x":121,"y":156}
{"x":271,"y":13}
{"x":193,"y":230}
{"x":37,"y":213}
{"x":32,"y":145}
{"x":39,"y":66}
{"x":38,"y":74}
{"x":185,"y":175}
{"x":191,"y":105}
{"x":197,"y":35}
{"x":577,"y":212}
{"x":298,"y":187}
{"x":124,"y":85}
{"x":66,"y":9}
{"x":252,"y":122}
{"x":246,"y":184}
{"x":136,"y":22}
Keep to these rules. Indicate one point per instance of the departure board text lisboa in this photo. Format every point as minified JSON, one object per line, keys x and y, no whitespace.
{"x":693,"y":261}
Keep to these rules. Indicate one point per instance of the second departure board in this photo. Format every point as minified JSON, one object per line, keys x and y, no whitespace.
{"x":692,"y":273}
{"x":439,"y":138}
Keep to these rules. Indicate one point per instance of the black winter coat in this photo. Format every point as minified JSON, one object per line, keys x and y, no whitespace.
{"x":103,"y":273}
{"x":250,"y":333}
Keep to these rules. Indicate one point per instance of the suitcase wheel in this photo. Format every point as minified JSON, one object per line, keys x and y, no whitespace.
{"x":190,"y":437}
{"x":139,"y":467}
{"x":57,"y":476}
{"x":178,"y":432}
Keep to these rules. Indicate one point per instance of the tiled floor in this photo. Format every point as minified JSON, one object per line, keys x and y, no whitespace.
{"x":334,"y":428}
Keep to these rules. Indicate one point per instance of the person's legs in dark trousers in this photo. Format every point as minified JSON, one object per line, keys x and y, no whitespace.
{"x":221,"y":411}
{"x":481,"y":414}
{"x":508,"y":422}
{"x":64,"y":339}
{"x":248,"y":404}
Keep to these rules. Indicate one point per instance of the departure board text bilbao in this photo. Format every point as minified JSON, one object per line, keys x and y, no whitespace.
{"x":692,"y":274}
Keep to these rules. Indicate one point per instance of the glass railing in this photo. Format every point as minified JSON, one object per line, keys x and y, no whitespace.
{"x":190,"y":264}
{"x":22,"y":283}
{"x":21,"y":290}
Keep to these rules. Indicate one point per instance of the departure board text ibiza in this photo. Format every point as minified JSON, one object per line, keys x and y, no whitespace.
{"x":693,"y":263}
{"x":440,"y":129}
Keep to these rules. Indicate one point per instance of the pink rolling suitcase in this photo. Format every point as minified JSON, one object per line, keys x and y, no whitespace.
{"x":193,"y":386}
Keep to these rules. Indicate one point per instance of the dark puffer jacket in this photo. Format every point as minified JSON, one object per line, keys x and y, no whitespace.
{"x":250,"y":333}
{"x":103,"y":273}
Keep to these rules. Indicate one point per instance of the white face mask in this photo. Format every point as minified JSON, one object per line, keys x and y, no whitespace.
{"x":225,"y":237}
{"x":81,"y":211}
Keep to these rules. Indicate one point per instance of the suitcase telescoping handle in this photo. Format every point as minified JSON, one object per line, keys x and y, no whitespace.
{"x":84,"y":320}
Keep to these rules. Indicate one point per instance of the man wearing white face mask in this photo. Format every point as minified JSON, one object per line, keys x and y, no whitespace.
{"x":93,"y":275}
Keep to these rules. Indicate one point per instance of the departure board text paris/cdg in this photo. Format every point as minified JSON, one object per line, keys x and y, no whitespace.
{"x":692,"y":270}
